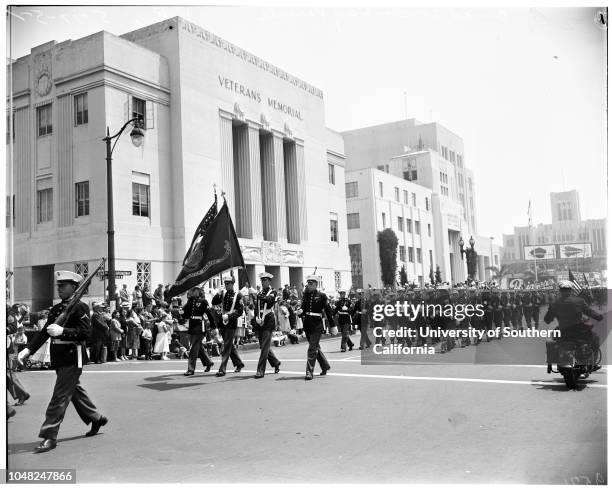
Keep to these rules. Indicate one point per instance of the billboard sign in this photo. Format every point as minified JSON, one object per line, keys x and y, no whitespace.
{"x":575,"y":250}
{"x":539,"y":252}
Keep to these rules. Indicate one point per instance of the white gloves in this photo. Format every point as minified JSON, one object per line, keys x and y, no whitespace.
{"x":259,"y":321}
{"x":299,"y":311}
{"x":55,"y":330}
{"x":23,"y":355}
{"x":225,"y":318}
{"x":344,"y":308}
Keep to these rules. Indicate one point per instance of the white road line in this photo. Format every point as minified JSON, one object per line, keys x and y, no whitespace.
{"x":372,"y":376}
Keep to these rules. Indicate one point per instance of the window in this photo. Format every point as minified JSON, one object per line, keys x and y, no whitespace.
{"x":10,"y":212}
{"x":417,"y":227}
{"x":337,"y":280}
{"x":427,"y":203}
{"x":352,"y":221}
{"x":10,"y":128}
{"x":139,"y":109}
{"x":428,"y":229}
{"x":405,"y":197}
{"x":351,"y":189}
{"x":44,"y":205}
{"x":384,"y":220}
{"x":396,"y":189}
{"x":80,"y":109}
{"x":414,"y":199}
{"x":45,"y":124}
{"x":140,"y":199}
{"x":410,"y":254}
{"x":380,"y":189}
{"x":402,"y":253}
{"x":143,"y":273}
{"x":356,"y":265}
{"x":333,"y":226}
{"x":419,"y":258}
{"x":409,"y":225}
{"x":82,"y":269}
{"x":331,"y":174}
{"x":400,"y":223}
{"x":410,"y":175}
{"x":81,"y":195}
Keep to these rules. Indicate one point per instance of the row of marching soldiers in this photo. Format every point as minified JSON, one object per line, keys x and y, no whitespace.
{"x":514,"y":309}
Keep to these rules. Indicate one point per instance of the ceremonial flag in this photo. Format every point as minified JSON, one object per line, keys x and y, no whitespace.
{"x":200,"y":232}
{"x":218,"y":251}
{"x":586,"y":281}
{"x":575,"y":284}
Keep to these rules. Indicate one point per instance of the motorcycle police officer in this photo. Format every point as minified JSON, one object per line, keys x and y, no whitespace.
{"x":68,"y":355}
{"x":314,"y":305}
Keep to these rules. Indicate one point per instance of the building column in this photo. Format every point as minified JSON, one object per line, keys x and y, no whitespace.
{"x":280,"y":215}
{"x":65,"y":186}
{"x":291,"y":192}
{"x":242,"y":181}
{"x":268,"y":187}
{"x":284,"y":275}
{"x":255,"y":182}
{"x":301,"y":183}
{"x":23,"y":173}
{"x":227,"y":163}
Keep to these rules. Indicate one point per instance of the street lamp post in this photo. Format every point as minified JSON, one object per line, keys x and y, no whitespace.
{"x":137,"y":135}
{"x":470,"y":256}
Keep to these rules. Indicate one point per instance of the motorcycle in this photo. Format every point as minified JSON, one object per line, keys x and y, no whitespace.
{"x":575,"y":358}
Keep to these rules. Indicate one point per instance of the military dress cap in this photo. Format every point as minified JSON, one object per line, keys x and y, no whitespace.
{"x":265,"y":275}
{"x":340,"y":291}
{"x":98,"y":304}
{"x":68,"y":276}
{"x":228,"y":278}
{"x":565,"y":284}
{"x":360,"y":291}
{"x":312,"y":278}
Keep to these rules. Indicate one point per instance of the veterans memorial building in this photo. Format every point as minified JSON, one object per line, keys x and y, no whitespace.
{"x":214,"y":114}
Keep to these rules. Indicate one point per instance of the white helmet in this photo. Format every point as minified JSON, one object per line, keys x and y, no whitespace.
{"x":564,"y":284}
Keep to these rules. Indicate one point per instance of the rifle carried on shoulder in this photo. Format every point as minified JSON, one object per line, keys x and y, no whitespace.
{"x":76,"y":297}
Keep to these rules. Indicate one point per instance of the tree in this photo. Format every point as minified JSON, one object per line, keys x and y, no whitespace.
{"x":498,"y":274}
{"x":438,"y":275}
{"x":403,"y":276}
{"x":387,"y":248}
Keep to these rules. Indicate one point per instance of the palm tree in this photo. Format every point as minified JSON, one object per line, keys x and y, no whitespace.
{"x":499,"y":274}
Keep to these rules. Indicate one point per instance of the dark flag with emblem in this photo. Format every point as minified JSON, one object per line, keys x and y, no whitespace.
{"x":217,"y":250}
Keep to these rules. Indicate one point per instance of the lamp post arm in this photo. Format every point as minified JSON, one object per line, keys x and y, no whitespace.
{"x":118,"y":134}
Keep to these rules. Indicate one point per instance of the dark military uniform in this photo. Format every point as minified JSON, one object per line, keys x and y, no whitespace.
{"x":231,"y":305}
{"x":195,"y":312}
{"x":527,"y":308}
{"x":516,"y":311}
{"x":506,"y":309}
{"x":314,"y":306}
{"x":68,"y":355}
{"x":264,"y":312}
{"x":344,"y":311}
{"x":535,"y":308}
{"x":362,"y":322}
{"x":498,"y":314}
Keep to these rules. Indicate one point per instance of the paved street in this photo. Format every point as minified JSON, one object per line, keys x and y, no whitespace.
{"x":360,"y":424}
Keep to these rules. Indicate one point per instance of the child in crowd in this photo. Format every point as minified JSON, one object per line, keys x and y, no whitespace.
{"x":147,"y":336}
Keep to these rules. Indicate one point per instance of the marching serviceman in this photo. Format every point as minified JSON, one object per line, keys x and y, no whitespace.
{"x":195,"y":311}
{"x":314,"y":303}
{"x":264,"y":324}
{"x":231,"y":309}
{"x":343,"y":309}
{"x":68,"y":355}
{"x":361,"y":319}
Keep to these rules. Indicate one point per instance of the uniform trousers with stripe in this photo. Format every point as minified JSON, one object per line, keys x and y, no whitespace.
{"x":67,"y":389}
{"x":264,"y":335}
{"x":229,"y":350}
{"x":313,"y":330}
{"x":197,"y":350}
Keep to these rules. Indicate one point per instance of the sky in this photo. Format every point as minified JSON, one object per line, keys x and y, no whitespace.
{"x":524,"y":87}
